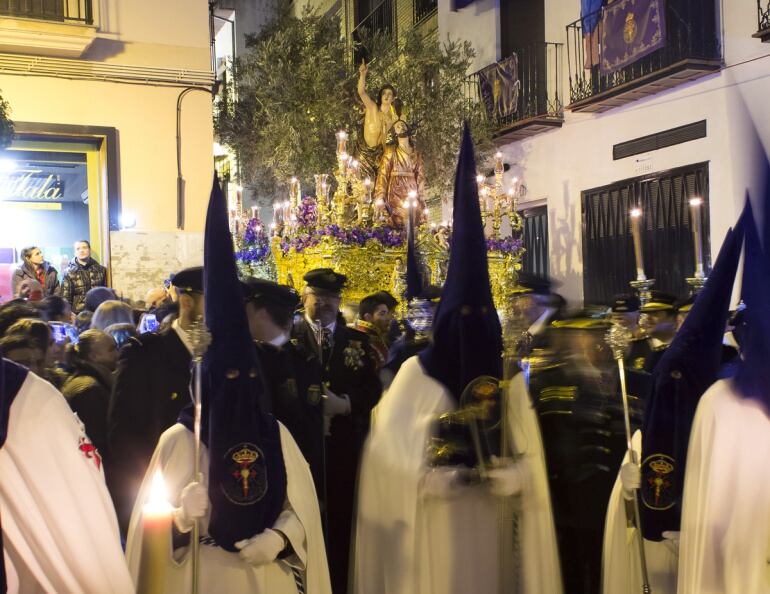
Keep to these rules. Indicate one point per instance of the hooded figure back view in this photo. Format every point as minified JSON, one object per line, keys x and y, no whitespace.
{"x":424,"y":530}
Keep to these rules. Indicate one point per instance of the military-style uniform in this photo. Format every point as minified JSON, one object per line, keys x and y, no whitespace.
{"x":152,"y":386}
{"x":293,"y":378}
{"x":348,"y":368}
{"x":581,"y":419}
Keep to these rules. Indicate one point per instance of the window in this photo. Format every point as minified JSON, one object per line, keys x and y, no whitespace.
{"x":535,"y":260}
{"x":667,"y":241}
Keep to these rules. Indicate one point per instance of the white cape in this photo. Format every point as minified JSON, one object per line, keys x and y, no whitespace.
{"x":221,"y":570}
{"x":60,"y":532}
{"x":725,"y":547}
{"x":621,"y":569}
{"x":407,"y":544}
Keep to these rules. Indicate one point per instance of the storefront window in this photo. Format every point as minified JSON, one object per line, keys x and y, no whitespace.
{"x":50,"y":197}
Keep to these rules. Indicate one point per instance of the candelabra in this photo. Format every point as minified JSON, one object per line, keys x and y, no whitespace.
{"x":697,"y":281}
{"x":322,"y":198}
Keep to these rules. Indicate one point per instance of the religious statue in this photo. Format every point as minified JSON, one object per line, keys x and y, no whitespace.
{"x":401,"y":177}
{"x":378,"y":120}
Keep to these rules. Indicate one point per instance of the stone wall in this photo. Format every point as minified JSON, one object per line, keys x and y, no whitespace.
{"x":141,"y":260}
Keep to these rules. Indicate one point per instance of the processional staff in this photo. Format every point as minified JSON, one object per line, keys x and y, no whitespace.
{"x":200,"y":339}
{"x":619,"y":338}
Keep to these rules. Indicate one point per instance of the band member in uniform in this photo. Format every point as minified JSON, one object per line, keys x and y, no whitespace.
{"x":352,"y":390}
{"x":152,"y":385}
{"x":292,"y":372}
{"x":375,"y":314}
{"x":658,"y":321}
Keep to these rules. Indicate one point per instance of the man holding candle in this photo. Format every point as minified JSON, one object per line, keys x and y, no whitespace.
{"x":254,"y":499}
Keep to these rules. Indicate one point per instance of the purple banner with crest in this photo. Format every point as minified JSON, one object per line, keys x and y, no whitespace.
{"x":630,"y":30}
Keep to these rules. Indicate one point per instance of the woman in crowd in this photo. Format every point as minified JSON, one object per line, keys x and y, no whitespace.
{"x":55,"y":309}
{"x":93,"y":360}
{"x":112,"y":312}
{"x":34,"y":267}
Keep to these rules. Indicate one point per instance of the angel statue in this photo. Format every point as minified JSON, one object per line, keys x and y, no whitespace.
{"x":378,"y":120}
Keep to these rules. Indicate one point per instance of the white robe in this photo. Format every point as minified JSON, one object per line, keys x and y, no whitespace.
{"x":621,"y":569}
{"x":222,"y":571}
{"x":408,"y":544}
{"x":725,"y":542}
{"x":60,"y":532}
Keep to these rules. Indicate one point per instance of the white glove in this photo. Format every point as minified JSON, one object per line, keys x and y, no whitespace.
{"x":671,"y":540}
{"x":262,"y":548}
{"x":505,"y":478}
{"x":630,"y":478}
{"x":194,"y":505}
{"x":336,"y":405}
{"x":441,"y":482}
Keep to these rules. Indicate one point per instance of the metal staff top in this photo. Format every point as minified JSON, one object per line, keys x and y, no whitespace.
{"x":619,"y":338}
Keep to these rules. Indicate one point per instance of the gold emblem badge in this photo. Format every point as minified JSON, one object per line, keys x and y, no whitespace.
{"x":354,"y":355}
{"x":629,"y":29}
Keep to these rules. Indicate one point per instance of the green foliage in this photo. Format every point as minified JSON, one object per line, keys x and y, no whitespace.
{"x":6,"y":125}
{"x":296,"y":87}
{"x":293,"y":94}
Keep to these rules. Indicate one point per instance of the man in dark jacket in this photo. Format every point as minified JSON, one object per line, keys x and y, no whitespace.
{"x":35,"y":267}
{"x":152,"y":386}
{"x":82,"y":275}
{"x":292,"y":372}
{"x":352,"y":390}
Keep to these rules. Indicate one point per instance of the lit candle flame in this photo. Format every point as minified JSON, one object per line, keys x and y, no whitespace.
{"x":636,"y":212}
{"x":367,"y":182}
{"x":157,"y":502}
{"x":479,"y":178}
{"x":498,"y":155}
{"x":696,"y":201}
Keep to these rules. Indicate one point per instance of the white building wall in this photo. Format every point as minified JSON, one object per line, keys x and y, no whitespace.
{"x":170,"y":37}
{"x":478,"y":23}
{"x":556,"y":166}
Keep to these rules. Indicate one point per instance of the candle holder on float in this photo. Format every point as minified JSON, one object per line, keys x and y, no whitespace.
{"x":642,"y":285}
{"x":365,"y":244}
{"x":322,"y":198}
{"x":698,"y":279}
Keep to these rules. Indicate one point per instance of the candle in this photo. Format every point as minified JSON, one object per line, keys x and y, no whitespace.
{"x":695,"y":222}
{"x":253,"y":212}
{"x":636,"y":233}
{"x":342,"y":140}
{"x":156,"y":540}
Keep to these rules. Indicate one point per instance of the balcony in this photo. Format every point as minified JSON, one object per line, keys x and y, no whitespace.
{"x":689,"y":50}
{"x":60,"y":11}
{"x":423,"y":9}
{"x":61,"y":28}
{"x":763,"y":19}
{"x":522,"y":93}
{"x":380,"y":21}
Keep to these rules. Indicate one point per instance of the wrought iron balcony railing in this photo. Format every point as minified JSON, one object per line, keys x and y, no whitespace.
{"x":522,"y":93}
{"x":763,"y":20}
{"x":691,"y":44}
{"x":64,"y":11}
{"x":381,"y":20}
{"x":423,"y":9}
